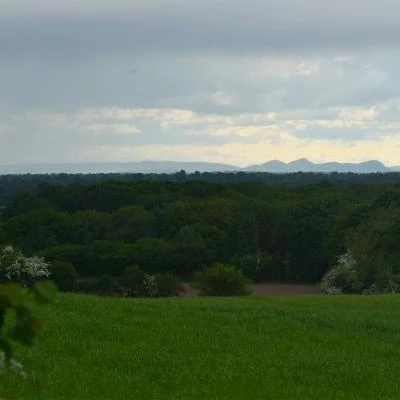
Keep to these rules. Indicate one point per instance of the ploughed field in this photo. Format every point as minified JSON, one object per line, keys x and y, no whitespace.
{"x":309,"y":347}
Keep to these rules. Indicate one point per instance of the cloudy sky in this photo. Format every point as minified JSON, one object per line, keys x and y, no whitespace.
{"x":238,"y":82}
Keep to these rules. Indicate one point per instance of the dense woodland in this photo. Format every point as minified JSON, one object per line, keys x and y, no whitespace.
{"x":272,"y":232}
{"x":10,"y":185}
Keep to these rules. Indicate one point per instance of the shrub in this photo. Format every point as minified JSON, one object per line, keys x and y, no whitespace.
{"x":14,"y":267}
{"x":139,"y":284}
{"x":385,"y":281}
{"x":106,"y":284}
{"x":87,"y":285}
{"x":131,"y":276}
{"x":132,"y":280}
{"x":222,"y":280}
{"x":150,"y":287}
{"x":259,"y":267}
{"x":348,"y":276}
{"x":64,"y":275}
{"x":167,"y":285}
{"x":343,"y":277}
{"x":372,"y":290}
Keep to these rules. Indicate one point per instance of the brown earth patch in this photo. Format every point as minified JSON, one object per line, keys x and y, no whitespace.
{"x":268,"y":289}
{"x":281,"y":289}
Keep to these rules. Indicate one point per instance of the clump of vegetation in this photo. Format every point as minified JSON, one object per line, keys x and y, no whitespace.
{"x":348,"y":277}
{"x":372,"y":263}
{"x":221,"y":280}
{"x":150,"y":286}
{"x":271,"y":232}
{"x":106,"y":284}
{"x":259,"y":267}
{"x":17,"y":321}
{"x":132,"y":281}
{"x":23,"y":279}
{"x":167,"y":285}
{"x":64,"y":276}
{"x":14,"y":267}
{"x":137,"y":283}
{"x":343,"y":277}
{"x":87,"y":285}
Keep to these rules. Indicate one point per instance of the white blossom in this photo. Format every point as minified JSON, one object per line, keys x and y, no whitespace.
{"x":347,"y":260}
{"x":150,"y":285}
{"x":17,"y":268}
{"x":346,"y":270}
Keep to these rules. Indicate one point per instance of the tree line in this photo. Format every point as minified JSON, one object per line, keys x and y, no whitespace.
{"x":269,"y":231}
{"x":11,"y":185}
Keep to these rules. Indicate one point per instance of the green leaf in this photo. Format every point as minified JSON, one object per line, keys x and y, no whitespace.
{"x":6,"y":347}
{"x":11,"y":295}
{"x":2,"y":317}
{"x":45,"y":291}
{"x":26,"y":327}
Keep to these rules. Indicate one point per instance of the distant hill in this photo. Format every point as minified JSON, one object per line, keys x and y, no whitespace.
{"x":305,"y":165}
{"x":273,"y":166}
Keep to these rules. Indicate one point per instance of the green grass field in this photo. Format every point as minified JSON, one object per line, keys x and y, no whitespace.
{"x":203,"y":348}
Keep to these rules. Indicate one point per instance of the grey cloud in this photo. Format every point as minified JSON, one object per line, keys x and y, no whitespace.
{"x":125,"y":28}
{"x":252,"y":84}
{"x":223,"y":57}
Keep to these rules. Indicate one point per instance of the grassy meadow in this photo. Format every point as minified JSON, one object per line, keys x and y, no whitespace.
{"x":214,"y":348}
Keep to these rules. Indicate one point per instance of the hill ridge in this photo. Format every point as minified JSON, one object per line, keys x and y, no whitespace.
{"x":272,"y":166}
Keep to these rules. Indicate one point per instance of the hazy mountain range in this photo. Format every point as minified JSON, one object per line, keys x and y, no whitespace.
{"x":305,"y":165}
{"x":274,"y":166}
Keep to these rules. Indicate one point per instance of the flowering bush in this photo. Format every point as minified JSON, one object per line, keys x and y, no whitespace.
{"x":343,"y":277}
{"x":150,"y":285}
{"x":14,"y":267}
{"x":348,"y":276}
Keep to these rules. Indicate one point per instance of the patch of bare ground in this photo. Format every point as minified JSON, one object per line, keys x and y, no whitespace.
{"x":283,"y":289}
{"x":267,"y":289}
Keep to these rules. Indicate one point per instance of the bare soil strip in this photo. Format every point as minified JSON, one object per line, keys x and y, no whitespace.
{"x":268,"y":289}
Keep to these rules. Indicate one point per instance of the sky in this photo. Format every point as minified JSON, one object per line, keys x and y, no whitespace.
{"x":238,"y":82}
